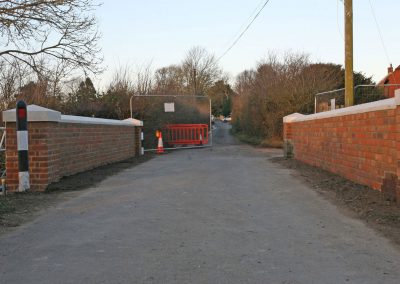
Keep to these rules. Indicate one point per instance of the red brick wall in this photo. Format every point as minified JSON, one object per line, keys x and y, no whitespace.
{"x":62,"y":149}
{"x":362,"y":147}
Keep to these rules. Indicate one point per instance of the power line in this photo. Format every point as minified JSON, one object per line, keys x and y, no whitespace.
{"x":244,"y":31}
{"x":255,"y":10}
{"x":337,"y":19}
{"x":379,"y":31}
{"x":381,"y":37}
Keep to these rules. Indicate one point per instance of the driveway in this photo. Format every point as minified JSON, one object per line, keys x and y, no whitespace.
{"x":219,"y":215}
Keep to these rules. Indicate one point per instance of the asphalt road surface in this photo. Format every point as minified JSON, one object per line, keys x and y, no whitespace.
{"x":220,"y":215}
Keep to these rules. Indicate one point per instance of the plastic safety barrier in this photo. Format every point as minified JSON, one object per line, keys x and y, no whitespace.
{"x":186,"y":134}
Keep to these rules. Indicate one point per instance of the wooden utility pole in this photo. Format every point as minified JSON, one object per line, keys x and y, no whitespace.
{"x":349,"y":80}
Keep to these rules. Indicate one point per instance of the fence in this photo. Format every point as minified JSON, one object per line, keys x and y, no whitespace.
{"x":362,"y":94}
{"x":179,"y":118}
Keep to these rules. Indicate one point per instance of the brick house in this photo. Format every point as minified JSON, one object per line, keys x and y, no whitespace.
{"x":392,"y":78}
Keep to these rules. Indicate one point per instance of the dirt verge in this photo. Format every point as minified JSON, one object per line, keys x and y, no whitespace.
{"x":19,"y":208}
{"x":359,"y":201}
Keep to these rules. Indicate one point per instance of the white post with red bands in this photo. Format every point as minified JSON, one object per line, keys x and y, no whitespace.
{"x":22,"y":146}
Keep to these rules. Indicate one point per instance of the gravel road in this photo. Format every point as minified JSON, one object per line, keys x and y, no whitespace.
{"x":220,"y":215}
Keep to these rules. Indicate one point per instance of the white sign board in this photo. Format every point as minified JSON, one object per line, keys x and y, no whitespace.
{"x":333,"y":106}
{"x":169,"y":107}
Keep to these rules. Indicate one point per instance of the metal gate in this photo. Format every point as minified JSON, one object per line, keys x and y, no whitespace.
{"x":184,"y":121}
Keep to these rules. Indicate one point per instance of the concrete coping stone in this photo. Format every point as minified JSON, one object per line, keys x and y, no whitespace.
{"x":92,"y":120}
{"x":35,"y":113}
{"x":38,"y":113}
{"x":292,"y":117}
{"x":363,"y":108}
{"x":133,"y":121}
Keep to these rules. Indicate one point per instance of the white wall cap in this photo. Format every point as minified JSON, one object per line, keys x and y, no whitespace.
{"x":368,"y":107}
{"x":292,"y":117}
{"x":38,"y":113}
{"x":397,"y":96}
{"x":133,"y":121}
{"x":35,"y":113}
{"x":93,"y":120}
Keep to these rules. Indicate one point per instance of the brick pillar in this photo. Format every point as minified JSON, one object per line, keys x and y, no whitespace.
{"x":397,"y":100}
{"x":288,"y":147}
{"x":138,"y":141}
{"x":138,"y":129}
{"x":398,"y":153}
{"x":43,"y":156}
{"x":43,"y":161}
{"x":287,"y":141}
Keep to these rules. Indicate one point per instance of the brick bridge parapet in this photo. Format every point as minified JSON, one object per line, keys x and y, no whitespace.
{"x":63,"y":145}
{"x":360,"y":143}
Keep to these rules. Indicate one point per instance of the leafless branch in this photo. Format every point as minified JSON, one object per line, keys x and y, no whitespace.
{"x":62,"y":30}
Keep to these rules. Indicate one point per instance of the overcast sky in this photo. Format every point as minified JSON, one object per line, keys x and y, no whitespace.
{"x":162,"y":31}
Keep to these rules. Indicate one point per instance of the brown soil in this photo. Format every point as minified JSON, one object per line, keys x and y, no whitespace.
{"x":359,"y":201}
{"x":19,"y":208}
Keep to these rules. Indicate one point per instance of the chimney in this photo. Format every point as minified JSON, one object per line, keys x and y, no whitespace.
{"x":390,"y":69}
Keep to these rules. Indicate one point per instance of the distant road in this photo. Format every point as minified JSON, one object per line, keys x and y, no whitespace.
{"x":220,"y":215}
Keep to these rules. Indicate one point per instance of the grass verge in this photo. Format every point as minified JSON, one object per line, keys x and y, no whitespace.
{"x":274,"y":142}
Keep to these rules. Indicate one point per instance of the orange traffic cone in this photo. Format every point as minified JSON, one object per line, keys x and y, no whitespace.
{"x":160,"y":147}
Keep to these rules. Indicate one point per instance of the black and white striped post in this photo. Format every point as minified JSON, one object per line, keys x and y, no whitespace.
{"x":22,"y":143}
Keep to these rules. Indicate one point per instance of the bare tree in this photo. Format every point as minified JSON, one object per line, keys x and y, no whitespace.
{"x":143,"y":83}
{"x":200,"y":70}
{"x":169,"y":80}
{"x":279,"y":86}
{"x":116,"y":98}
{"x":122,"y":80}
{"x":13,"y":76}
{"x":244,"y":81}
{"x":55,"y":30}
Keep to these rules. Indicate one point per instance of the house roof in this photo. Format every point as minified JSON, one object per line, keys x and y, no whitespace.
{"x":383,"y":81}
